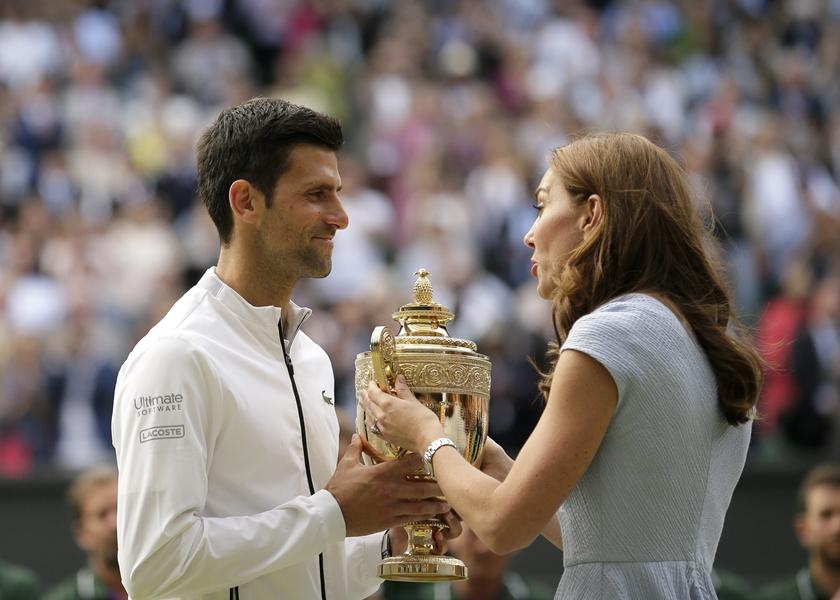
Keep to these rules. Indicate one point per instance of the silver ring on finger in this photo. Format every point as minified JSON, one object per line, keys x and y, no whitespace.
{"x":375,"y":428}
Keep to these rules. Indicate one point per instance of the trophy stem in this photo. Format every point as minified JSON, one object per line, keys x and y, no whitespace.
{"x":421,"y":541}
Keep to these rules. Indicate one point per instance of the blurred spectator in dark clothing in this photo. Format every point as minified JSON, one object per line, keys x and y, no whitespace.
{"x":815,"y":368}
{"x":80,"y":383}
{"x":817,"y":525}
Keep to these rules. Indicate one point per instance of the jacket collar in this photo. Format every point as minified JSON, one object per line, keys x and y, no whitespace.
{"x":266,"y":318}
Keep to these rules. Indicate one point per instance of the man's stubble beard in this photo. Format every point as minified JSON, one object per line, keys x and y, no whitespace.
{"x":315,"y":265}
{"x":302,"y":263}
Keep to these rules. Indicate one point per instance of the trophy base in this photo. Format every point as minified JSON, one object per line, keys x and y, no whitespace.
{"x":422,"y":569}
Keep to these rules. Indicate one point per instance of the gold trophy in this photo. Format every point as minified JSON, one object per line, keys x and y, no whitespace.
{"x":449,"y":377}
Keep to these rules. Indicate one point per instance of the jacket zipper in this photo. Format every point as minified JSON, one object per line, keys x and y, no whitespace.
{"x":290,"y":368}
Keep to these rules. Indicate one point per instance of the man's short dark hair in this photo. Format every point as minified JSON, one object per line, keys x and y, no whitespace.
{"x":826,"y":474}
{"x":254,"y":141}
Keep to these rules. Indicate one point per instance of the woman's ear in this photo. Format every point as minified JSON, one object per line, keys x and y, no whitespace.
{"x":593,"y":212}
{"x":246,"y":202}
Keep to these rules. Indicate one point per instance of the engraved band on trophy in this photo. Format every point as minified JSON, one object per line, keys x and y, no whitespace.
{"x":450,"y":378}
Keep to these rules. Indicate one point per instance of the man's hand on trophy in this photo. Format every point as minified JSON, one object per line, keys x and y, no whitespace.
{"x":377,"y":497}
{"x":401,"y":419}
{"x":494,"y":460}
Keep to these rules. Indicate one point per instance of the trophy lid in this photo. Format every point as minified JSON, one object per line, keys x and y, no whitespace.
{"x":424,"y":318}
{"x":423,"y":352}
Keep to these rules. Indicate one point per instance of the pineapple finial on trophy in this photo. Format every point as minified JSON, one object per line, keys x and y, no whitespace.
{"x":422,"y":287}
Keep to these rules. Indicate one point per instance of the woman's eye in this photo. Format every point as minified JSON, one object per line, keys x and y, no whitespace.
{"x":538,"y":207}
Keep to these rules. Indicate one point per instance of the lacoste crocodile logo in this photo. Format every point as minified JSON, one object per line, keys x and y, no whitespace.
{"x":326,"y":398}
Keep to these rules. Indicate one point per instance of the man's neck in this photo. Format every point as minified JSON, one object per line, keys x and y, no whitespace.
{"x":253,"y":283}
{"x":110,"y":577}
{"x":825,"y":577}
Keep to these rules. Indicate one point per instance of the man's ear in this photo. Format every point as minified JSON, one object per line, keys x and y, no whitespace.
{"x":593,"y":212}
{"x":246,"y":202}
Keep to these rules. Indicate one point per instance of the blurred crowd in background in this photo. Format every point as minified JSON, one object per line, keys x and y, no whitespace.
{"x":450,"y":109}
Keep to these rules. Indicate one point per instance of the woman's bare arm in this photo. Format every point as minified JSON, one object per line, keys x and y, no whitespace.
{"x":508,"y":515}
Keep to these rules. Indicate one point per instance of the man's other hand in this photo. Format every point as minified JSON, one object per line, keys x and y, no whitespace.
{"x":378,"y":497}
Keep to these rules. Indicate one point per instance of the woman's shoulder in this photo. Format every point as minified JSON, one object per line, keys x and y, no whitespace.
{"x":624,"y":334}
{"x":649,"y":302}
{"x":632,"y":322}
{"x":635,"y":310}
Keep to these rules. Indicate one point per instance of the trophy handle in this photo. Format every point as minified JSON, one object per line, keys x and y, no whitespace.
{"x":383,"y":358}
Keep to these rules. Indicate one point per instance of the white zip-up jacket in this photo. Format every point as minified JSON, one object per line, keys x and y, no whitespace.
{"x":214,"y":490}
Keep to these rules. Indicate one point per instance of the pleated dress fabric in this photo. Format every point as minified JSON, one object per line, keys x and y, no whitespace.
{"x":646,"y":517}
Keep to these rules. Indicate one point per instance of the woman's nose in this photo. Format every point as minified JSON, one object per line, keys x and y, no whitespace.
{"x":528,"y":240}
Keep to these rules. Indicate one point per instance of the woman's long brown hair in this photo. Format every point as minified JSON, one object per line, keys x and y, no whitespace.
{"x":650,"y":239}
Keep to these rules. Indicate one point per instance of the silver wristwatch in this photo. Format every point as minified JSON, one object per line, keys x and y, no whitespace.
{"x":434,"y":447}
{"x":385,"y":547}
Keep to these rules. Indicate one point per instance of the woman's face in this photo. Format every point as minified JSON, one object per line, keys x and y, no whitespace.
{"x":557,"y":230}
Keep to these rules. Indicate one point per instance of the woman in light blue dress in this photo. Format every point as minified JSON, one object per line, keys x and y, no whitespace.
{"x":650,"y":395}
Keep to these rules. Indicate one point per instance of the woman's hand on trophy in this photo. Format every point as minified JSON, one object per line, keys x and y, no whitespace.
{"x":495,"y":462}
{"x":401,"y":419}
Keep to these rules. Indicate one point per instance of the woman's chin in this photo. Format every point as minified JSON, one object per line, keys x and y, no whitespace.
{"x":544,"y":289}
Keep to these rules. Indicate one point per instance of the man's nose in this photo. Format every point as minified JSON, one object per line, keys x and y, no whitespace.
{"x":337,"y":216}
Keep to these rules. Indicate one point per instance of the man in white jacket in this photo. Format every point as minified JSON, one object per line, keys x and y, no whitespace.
{"x":224,"y":424}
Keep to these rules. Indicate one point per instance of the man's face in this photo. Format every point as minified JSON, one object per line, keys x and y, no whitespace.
{"x":818,"y":528}
{"x":96,"y":529}
{"x":295,"y":233}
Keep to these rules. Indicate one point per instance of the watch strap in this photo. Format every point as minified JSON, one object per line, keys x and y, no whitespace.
{"x":433,"y":448}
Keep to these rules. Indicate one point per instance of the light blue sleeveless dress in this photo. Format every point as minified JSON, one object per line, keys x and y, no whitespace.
{"x":645,"y":519}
